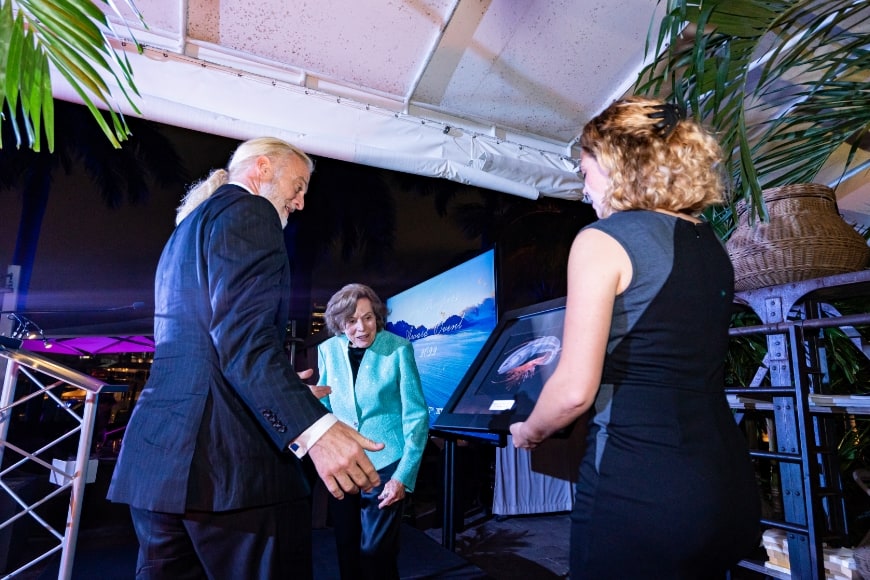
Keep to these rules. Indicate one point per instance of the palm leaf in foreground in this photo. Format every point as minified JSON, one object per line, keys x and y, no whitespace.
{"x":783,"y":83}
{"x":68,"y":34}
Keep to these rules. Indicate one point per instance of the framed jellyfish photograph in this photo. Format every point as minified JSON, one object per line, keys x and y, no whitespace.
{"x":504,"y":381}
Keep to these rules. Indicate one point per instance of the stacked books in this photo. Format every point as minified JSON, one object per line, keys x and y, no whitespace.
{"x":839,"y":563}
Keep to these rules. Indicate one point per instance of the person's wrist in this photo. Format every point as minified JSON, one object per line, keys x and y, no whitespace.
{"x":303,"y":444}
{"x":528,"y":434}
{"x":523,"y":432}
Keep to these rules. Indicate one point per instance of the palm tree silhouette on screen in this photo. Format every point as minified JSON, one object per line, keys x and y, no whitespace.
{"x":119,"y":175}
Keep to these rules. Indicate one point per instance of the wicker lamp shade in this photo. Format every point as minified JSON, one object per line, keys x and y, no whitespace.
{"x":805,"y":238}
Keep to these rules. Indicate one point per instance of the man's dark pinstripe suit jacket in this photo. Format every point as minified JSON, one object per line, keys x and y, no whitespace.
{"x":211,"y":428}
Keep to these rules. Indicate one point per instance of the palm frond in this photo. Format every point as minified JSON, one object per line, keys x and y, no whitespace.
{"x":783,"y":83}
{"x":68,"y":34}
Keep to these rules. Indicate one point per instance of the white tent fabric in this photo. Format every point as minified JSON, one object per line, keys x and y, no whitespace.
{"x":486,"y":93}
{"x":215,"y":100}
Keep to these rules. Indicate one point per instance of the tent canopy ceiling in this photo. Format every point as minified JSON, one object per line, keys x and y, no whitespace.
{"x":485,"y":92}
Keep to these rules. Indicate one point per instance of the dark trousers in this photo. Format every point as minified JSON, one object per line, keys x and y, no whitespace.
{"x":258,"y":543}
{"x":366,"y":536}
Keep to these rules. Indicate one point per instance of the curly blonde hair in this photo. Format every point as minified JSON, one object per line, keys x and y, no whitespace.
{"x":655,"y":158}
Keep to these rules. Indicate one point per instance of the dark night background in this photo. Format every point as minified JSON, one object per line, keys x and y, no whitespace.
{"x":360,"y":224}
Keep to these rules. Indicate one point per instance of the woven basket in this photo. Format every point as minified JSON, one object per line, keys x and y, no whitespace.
{"x":805,"y":238}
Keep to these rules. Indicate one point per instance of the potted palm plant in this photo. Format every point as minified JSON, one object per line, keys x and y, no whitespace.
{"x":786,"y":85}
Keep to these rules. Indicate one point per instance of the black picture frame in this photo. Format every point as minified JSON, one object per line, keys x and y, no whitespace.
{"x":504,"y":382}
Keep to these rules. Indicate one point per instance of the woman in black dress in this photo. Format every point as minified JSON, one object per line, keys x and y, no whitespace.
{"x":666,"y":488}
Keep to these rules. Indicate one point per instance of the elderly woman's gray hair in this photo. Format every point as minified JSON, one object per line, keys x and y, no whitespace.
{"x":342,"y":306}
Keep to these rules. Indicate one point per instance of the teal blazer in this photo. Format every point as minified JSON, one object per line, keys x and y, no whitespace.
{"x":385,"y":405}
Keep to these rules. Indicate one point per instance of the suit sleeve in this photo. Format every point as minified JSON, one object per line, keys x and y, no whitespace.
{"x":248,"y":280}
{"x":415,"y":418}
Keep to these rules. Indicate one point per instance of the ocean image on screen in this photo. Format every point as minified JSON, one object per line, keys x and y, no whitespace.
{"x":448,"y":318}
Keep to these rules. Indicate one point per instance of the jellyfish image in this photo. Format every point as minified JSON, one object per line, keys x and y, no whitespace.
{"x":523,"y":361}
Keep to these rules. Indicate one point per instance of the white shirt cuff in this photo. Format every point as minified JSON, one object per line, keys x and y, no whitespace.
{"x":310,"y":436}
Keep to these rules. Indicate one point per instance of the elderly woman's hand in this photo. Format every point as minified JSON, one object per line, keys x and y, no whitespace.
{"x":317,"y":391}
{"x":320,"y":391}
{"x":394,"y":490}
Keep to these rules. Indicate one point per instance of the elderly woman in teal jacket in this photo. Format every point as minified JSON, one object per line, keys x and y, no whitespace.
{"x":376,"y":389}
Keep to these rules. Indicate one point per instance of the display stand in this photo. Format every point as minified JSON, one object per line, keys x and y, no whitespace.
{"x":448,"y":499}
{"x":500,"y":388}
{"x":448,"y":531}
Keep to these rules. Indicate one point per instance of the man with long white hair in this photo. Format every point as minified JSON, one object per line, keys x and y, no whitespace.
{"x":210,"y":463}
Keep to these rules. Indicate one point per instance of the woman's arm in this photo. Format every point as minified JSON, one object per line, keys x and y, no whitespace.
{"x":598,"y":270}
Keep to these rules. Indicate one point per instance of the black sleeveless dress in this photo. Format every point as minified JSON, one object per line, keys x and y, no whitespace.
{"x":666,"y":488}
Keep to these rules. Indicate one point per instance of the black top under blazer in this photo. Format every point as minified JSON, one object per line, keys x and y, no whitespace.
{"x":211,"y":428}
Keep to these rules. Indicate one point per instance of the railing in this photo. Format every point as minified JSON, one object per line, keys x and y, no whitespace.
{"x":49,"y":381}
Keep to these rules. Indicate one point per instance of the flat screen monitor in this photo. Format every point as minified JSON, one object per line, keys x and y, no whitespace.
{"x":505,"y":380}
{"x":448,"y":318}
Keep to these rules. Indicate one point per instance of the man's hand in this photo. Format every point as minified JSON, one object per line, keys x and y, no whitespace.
{"x":341,"y":461}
